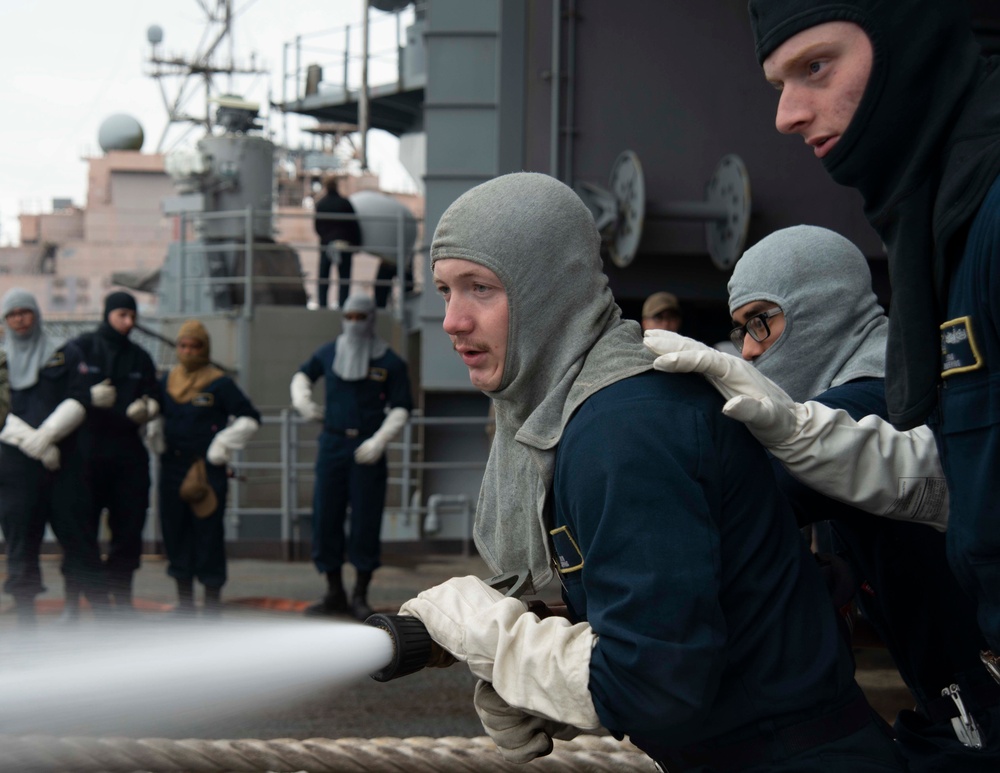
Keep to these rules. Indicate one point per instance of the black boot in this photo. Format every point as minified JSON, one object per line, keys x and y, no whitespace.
{"x":213,"y":602}
{"x":185,"y":598}
{"x":359,"y":598}
{"x":335,"y":600}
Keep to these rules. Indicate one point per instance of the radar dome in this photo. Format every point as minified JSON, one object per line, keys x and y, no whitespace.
{"x":120,"y":132}
{"x":154,"y":34}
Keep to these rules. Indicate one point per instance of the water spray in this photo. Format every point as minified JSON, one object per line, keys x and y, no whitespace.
{"x":412,"y":645}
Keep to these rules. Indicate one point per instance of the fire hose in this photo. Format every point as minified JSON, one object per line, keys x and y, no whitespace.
{"x":38,"y":754}
{"x":413,"y":649}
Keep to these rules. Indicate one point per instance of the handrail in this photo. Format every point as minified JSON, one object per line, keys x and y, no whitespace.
{"x":188,"y":251}
{"x":290,"y":472}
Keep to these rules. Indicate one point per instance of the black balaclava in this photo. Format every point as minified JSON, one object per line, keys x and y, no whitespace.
{"x":922,"y":148}
{"x":115,"y":351}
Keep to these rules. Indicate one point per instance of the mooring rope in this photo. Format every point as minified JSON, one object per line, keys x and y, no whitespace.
{"x":39,"y":754}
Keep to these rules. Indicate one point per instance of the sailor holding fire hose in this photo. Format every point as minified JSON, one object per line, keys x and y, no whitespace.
{"x":700,"y":625}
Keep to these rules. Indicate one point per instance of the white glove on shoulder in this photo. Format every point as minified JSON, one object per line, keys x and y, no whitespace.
{"x":233,"y":438}
{"x":142,"y":409}
{"x":541,"y":666}
{"x":520,"y":737}
{"x":16,"y":431}
{"x":302,"y":401}
{"x":867,"y":464}
{"x":103,"y":395}
{"x":772,"y":420}
{"x":155,"y":439}
{"x":371,"y":450}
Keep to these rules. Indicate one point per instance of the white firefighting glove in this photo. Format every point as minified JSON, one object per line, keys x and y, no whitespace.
{"x":233,"y":438}
{"x":867,"y":464}
{"x":155,"y":439}
{"x":15,"y":431}
{"x":540,"y":666}
{"x":65,"y":418}
{"x":103,"y":395}
{"x":143,"y":409}
{"x":371,"y":450}
{"x":520,"y":737}
{"x":302,"y":401}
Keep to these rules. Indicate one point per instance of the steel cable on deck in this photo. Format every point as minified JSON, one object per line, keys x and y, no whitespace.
{"x":40,"y":754}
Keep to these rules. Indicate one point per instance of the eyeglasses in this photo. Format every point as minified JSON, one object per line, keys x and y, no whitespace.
{"x":756,"y":326}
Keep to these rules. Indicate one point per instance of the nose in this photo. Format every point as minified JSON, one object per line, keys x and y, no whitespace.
{"x":457,"y":321}
{"x":793,"y":114}
{"x":751,"y":349}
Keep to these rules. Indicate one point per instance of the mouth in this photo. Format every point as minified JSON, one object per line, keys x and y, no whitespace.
{"x":822,"y":145}
{"x":471,"y":355}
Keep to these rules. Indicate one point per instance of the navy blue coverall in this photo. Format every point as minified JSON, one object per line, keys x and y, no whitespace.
{"x":912,"y":599}
{"x":117,"y":462}
{"x":354,"y":411}
{"x":31,"y":496}
{"x":196,"y":547}
{"x":718,"y":647}
{"x":967,"y":421}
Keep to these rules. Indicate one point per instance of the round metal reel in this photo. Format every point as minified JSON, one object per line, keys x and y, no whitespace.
{"x":629,"y":190}
{"x":729,"y":189}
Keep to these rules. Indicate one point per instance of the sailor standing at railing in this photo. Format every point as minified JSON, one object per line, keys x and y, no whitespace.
{"x":368,"y":400}
{"x":196,"y":441}
{"x":41,"y":469}
{"x":124,"y":396}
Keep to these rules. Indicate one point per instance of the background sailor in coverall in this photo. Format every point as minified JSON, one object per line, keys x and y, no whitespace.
{"x":368,"y":400}
{"x":198,"y":401}
{"x":41,"y":470}
{"x":701,"y":626}
{"x":125,"y":394}
{"x":828,"y":345}
{"x":337,"y":238}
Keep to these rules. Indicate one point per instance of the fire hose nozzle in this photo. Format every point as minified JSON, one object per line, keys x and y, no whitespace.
{"x":412,"y":646}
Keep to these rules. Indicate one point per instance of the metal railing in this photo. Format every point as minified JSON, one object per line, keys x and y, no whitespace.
{"x":340,"y":51}
{"x":290,"y":471}
{"x":192,"y":250}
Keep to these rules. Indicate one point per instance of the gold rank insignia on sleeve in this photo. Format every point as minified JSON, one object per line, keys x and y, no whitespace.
{"x":959,"y":352}
{"x":568,"y":557}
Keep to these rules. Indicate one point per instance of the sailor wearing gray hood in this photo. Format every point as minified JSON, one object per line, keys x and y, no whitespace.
{"x":830,"y":350}
{"x":368,"y":402}
{"x":41,"y":471}
{"x":699,"y":624}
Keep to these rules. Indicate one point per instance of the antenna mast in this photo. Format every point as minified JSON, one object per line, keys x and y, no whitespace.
{"x":198,"y":74}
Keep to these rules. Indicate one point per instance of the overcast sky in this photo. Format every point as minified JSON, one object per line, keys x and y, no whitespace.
{"x":68,"y":65}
